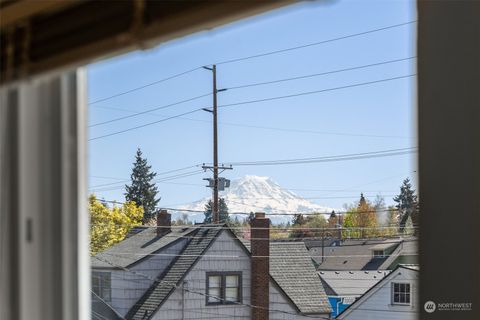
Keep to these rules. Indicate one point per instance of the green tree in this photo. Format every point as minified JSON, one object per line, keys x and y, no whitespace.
{"x":407,"y":205}
{"x":361,"y":220}
{"x":222,"y":211}
{"x":142,"y":190}
{"x":109,"y":226}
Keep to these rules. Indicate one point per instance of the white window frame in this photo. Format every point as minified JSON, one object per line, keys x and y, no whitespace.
{"x":393,"y":283}
{"x":378,"y":256}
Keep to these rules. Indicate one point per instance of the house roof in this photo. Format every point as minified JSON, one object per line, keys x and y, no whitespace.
{"x":351,"y":283}
{"x":290,"y":268}
{"x":293,"y":270}
{"x":378,"y":284}
{"x":407,"y":247}
{"x":137,"y":247}
{"x":357,"y":254}
{"x":146,"y":307}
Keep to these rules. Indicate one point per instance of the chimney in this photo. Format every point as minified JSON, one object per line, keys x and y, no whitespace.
{"x":260,"y":278}
{"x":164,"y":223}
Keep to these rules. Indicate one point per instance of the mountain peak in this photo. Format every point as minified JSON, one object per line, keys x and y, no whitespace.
{"x":260,"y":193}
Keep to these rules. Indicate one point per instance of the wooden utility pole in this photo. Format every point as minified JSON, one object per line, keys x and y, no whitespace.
{"x":215,"y":212}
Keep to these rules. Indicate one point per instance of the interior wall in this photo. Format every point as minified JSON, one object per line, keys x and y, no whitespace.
{"x":449,"y":155}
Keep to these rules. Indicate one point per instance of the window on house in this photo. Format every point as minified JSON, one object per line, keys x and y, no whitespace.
{"x":224,"y":288}
{"x":101,"y":285}
{"x":400,"y":293}
{"x":378,"y":254}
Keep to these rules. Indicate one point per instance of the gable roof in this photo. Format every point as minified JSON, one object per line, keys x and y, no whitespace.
{"x":137,"y":246}
{"x":292,"y":269}
{"x":351,"y":283}
{"x":149,"y":303}
{"x":357,"y":254}
{"x":372,"y":289}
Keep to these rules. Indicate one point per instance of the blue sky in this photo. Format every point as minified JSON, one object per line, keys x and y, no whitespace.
{"x":352,"y":116}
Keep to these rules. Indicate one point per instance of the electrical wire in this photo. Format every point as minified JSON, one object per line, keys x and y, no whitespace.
{"x":252,"y":57}
{"x":315,"y":43}
{"x":318,"y":74}
{"x":145,"y":86}
{"x":316,"y":91}
{"x":150,"y":110}
{"x":143,"y":125}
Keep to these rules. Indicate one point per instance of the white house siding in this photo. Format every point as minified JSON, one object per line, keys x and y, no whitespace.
{"x":194,"y":305}
{"x":377,"y":304}
{"x":128,"y":287}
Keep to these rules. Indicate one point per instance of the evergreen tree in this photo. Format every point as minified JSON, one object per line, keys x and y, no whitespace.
{"x":222,"y":211}
{"x":407,"y":204}
{"x":142,"y":190}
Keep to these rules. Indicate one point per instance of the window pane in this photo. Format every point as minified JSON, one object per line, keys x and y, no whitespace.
{"x":407,"y":298}
{"x":231,"y":281}
{"x":231,"y":294}
{"x":214,"y":281}
{"x":214,"y":295}
{"x":396,"y":297}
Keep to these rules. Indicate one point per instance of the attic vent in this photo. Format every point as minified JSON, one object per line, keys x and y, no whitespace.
{"x":345,"y":261}
{"x":351,"y":272}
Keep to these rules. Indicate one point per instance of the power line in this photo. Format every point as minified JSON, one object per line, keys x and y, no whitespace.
{"x":315,"y":91}
{"x":252,"y":57}
{"x":173,"y":177}
{"x":150,"y":110}
{"x":144,"y":86}
{"x":143,"y":125}
{"x":256,"y":101}
{"x":315,"y":43}
{"x":317,"y":74}
{"x":272,"y":128}
{"x":127,"y":180}
{"x":344,"y":157}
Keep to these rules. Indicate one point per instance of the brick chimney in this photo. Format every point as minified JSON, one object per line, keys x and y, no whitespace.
{"x":164,"y":223}
{"x":260,"y":279}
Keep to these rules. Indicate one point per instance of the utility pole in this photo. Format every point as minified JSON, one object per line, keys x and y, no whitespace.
{"x":216,"y":217}
{"x":215,"y":206}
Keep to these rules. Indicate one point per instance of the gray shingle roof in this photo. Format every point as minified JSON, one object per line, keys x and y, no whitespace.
{"x":147,"y":305}
{"x":352,"y":255}
{"x":293,"y":270}
{"x":297,"y":277}
{"x":137,"y":246}
{"x":352,"y":283}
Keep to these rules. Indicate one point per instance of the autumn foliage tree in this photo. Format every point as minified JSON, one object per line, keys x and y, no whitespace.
{"x":109,"y":226}
{"x":361,"y":219}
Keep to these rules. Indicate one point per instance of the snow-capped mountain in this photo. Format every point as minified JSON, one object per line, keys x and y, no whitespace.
{"x":260,"y":194}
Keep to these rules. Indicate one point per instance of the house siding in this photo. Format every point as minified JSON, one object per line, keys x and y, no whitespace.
{"x":188,"y":305}
{"x":378,"y":302}
{"x":127,"y":287}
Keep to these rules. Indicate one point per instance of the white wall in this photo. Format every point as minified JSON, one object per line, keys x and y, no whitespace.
{"x":377,"y":304}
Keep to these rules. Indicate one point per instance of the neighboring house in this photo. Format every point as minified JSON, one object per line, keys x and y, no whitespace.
{"x":393,"y":297}
{"x":365,"y":254}
{"x":344,"y":287}
{"x":206,"y":271}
